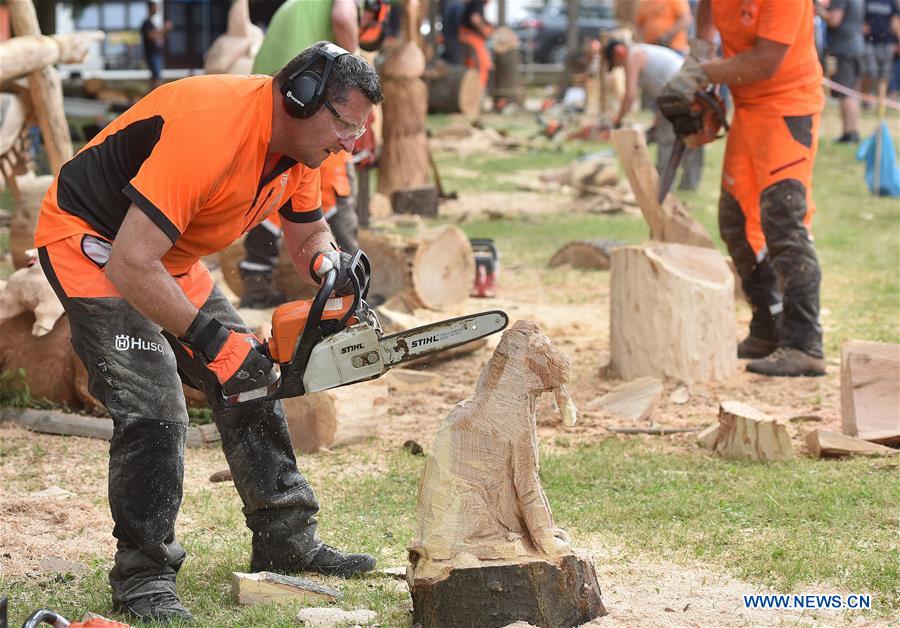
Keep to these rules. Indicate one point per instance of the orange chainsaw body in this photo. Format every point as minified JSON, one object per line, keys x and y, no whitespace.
{"x":289,"y":320}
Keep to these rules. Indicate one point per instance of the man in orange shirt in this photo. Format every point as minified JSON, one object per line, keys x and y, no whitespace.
{"x":664,"y":23}
{"x":766,"y":206}
{"x":121,"y":233}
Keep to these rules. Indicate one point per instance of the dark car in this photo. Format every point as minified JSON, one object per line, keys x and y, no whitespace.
{"x":542,"y":30}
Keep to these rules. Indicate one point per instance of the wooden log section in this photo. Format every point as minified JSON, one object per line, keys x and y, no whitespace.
{"x":746,"y":433}
{"x":25,"y":54}
{"x":454,"y":89}
{"x":486,"y":551}
{"x":585,"y":254}
{"x":507,"y":77}
{"x":45,"y":89}
{"x":265,"y":588}
{"x":870,"y":391}
{"x":669,"y":221}
{"x":421,"y":200}
{"x":672,"y":313}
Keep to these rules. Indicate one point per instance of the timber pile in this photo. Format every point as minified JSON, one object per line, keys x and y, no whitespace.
{"x":669,"y":221}
{"x":586,"y":254}
{"x":745,"y":433}
{"x":672,"y":313}
{"x":870,"y":391}
{"x":234,"y":51}
{"x":454,"y":89}
{"x":486,"y":551}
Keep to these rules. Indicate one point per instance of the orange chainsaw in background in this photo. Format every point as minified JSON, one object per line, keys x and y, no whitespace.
{"x":696,"y":123}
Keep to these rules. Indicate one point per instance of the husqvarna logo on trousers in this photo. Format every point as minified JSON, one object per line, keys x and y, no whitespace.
{"x":125,"y":342}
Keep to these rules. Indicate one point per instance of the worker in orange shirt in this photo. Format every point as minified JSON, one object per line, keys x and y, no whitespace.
{"x":474,"y":32}
{"x":766,"y":207}
{"x":664,"y":23}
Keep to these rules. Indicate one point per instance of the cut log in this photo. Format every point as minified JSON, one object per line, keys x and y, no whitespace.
{"x":434,"y":270}
{"x":669,"y":222}
{"x":45,"y":89}
{"x":746,"y":433}
{"x":672,"y":313}
{"x":870,"y":391}
{"x":31,"y":190}
{"x":404,"y":156}
{"x":635,"y":400}
{"x":27,"y":53}
{"x":454,"y":89}
{"x":827,"y":444}
{"x":486,"y":551}
{"x":560,"y":592}
{"x":421,"y":200}
{"x":507,"y":84}
{"x":265,"y":587}
{"x":587,"y":254}
{"x":340,"y":416}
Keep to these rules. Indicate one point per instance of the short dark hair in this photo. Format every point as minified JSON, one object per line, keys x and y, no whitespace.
{"x":349,"y":72}
{"x":609,"y":52}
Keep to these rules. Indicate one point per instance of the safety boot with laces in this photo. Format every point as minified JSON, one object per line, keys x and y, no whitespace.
{"x":788,"y":362}
{"x":162,"y":607}
{"x":332,"y":562}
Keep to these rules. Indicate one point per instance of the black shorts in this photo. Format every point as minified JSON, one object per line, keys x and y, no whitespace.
{"x":849,"y":70}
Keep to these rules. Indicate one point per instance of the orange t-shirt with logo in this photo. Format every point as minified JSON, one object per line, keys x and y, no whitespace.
{"x":657,"y":17}
{"x":796,"y":88}
{"x":191,"y":156}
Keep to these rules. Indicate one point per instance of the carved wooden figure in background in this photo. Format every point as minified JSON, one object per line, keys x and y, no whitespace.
{"x":480,"y":494}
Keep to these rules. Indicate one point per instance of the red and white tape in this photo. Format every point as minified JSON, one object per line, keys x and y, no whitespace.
{"x":890,"y":104}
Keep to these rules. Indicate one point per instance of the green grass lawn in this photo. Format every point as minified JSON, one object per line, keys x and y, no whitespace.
{"x":801,"y":526}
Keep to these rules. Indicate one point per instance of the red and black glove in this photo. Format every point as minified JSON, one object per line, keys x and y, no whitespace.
{"x":234,"y":358}
{"x":323,"y":261}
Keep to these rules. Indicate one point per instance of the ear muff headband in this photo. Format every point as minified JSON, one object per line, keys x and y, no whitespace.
{"x":304,"y":90}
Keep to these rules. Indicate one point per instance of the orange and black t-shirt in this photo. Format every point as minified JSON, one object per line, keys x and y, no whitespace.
{"x":191,"y":156}
{"x":796,"y":88}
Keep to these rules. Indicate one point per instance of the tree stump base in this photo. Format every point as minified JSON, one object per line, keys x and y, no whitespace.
{"x":560,"y":592}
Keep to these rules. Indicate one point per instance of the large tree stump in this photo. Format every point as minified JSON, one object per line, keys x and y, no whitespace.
{"x":669,"y":221}
{"x":870,"y":391}
{"x":486,"y":551}
{"x":454,"y":89}
{"x":340,"y":416}
{"x":672,"y":313}
{"x":404,"y":156}
{"x":746,"y":433}
{"x":434,"y":269}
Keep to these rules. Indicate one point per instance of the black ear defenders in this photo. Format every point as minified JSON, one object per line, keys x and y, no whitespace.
{"x":304,"y":90}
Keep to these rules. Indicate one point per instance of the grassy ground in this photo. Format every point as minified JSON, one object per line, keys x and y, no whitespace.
{"x":803,"y":526}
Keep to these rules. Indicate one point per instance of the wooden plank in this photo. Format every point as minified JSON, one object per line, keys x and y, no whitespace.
{"x":870,"y":391}
{"x":827,"y":444}
{"x":265,"y":587}
{"x":669,"y":221}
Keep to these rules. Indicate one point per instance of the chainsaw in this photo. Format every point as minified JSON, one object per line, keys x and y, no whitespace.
{"x":696,"y":123}
{"x":333,"y":341}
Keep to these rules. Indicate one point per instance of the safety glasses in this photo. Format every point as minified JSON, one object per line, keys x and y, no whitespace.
{"x":348,"y":131}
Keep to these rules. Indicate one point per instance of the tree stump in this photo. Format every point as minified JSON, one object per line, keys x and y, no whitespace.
{"x":870,"y":391}
{"x":454,"y":89}
{"x":486,"y":551}
{"x":404,"y":156}
{"x":507,"y":79}
{"x":672,"y":313}
{"x":587,"y":254}
{"x":434,"y":269}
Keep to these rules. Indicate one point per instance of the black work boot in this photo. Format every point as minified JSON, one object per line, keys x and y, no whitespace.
{"x":332,"y":562}
{"x":788,"y":362}
{"x":161,"y":607}
{"x":258,"y":290}
{"x":753,"y":347}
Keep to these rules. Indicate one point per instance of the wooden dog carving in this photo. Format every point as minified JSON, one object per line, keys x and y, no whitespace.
{"x":480,"y":497}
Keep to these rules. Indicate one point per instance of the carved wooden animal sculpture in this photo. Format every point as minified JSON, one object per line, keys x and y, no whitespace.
{"x":480,"y":497}
{"x":234,"y":51}
{"x":29,"y":290}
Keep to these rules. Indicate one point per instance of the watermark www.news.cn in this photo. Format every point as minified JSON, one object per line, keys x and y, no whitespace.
{"x":853,"y":601}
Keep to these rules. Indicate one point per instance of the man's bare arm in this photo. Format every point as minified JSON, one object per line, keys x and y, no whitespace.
{"x":706,"y":30}
{"x":757,"y":64}
{"x":136,"y":270}
{"x":303,"y":240}
{"x":633,"y":66}
{"x":344,"y":24}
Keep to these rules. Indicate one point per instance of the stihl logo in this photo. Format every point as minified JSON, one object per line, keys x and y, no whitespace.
{"x":126,"y":343}
{"x":421,"y":342}
{"x":350,"y":348}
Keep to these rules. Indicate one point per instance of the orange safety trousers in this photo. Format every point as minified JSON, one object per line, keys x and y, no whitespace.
{"x":470,"y":38}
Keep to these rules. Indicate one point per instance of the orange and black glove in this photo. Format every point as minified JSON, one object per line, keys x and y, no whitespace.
{"x":323,"y":261}
{"x":233,"y":357}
